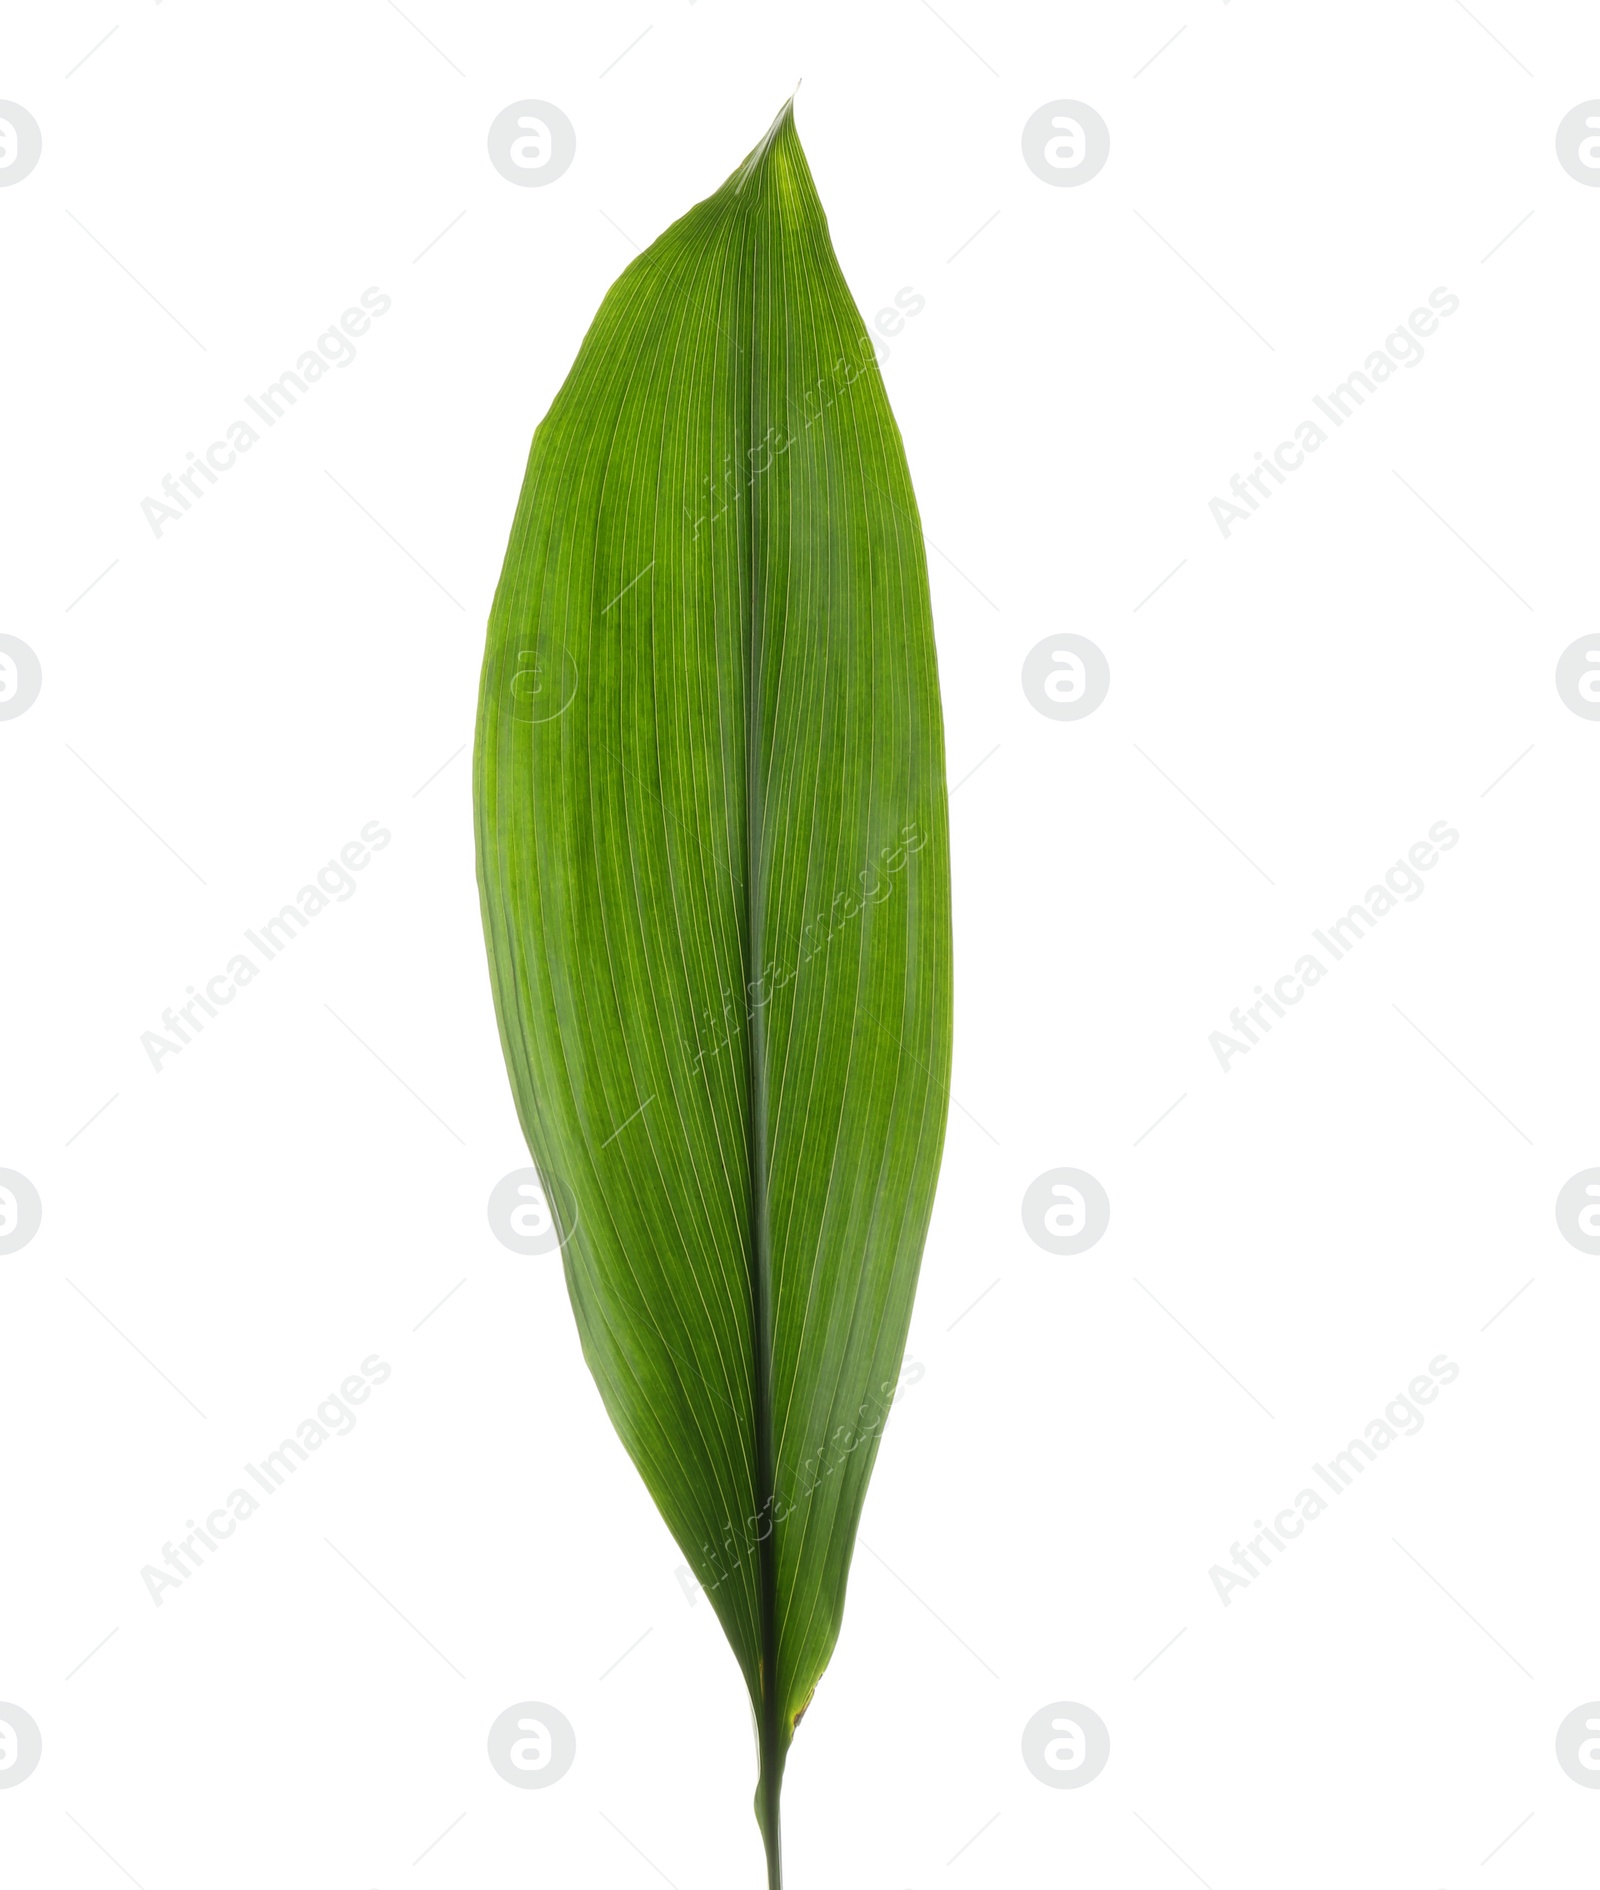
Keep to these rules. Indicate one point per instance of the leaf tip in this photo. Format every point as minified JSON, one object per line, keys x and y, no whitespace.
{"x":783,"y":122}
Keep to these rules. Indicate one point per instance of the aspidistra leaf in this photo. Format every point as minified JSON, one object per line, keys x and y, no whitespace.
{"x":714,"y":866}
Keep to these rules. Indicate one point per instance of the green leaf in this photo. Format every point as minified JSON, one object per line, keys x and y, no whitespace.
{"x":714,"y":864}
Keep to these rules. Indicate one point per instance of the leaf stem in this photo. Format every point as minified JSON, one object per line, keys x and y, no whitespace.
{"x":767,"y":1796}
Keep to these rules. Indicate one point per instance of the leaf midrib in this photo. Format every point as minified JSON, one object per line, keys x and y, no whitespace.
{"x":769,"y":1731}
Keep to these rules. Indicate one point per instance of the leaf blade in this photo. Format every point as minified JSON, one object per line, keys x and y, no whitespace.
{"x":713,"y":860}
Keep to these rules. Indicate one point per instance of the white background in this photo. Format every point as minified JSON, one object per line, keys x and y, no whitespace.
{"x":303,"y":1184}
